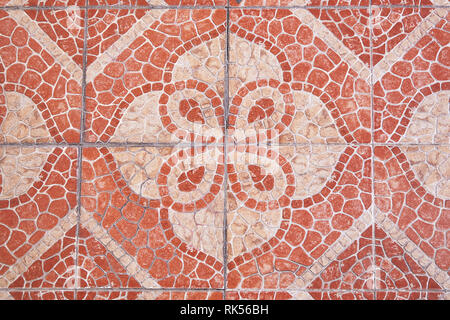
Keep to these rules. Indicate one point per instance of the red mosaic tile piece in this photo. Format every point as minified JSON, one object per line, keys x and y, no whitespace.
{"x":255,"y":295}
{"x":399,"y":295}
{"x":105,"y":27}
{"x":333,"y":295}
{"x":43,"y":295}
{"x":149,"y":295}
{"x":306,"y":3}
{"x":351,"y":26}
{"x":97,"y":294}
{"x":142,"y":227}
{"x":195,"y":2}
{"x":391,"y":26}
{"x":66,"y":27}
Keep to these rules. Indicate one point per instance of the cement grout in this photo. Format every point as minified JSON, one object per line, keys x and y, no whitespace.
{"x":198,"y":145}
{"x":225,"y":174}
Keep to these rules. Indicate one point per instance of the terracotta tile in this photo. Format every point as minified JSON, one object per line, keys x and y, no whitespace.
{"x":279,"y":237}
{"x":171,"y":3}
{"x":381,"y":264}
{"x":55,"y":268}
{"x":64,"y":27}
{"x":71,"y":263}
{"x":380,"y":295}
{"x":407,"y":2}
{"x":288,"y":83}
{"x":390,"y":26}
{"x":196,"y":3}
{"x":106,"y":27}
{"x":336,"y":295}
{"x":288,"y":3}
{"x":366,"y":3}
{"x":162,"y":207}
{"x":412,"y":295}
{"x":169,"y":67}
{"x":111,"y":295}
{"x":301,"y":295}
{"x":266,"y":295}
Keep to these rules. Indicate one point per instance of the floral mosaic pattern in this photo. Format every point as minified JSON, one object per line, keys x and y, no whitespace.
{"x":224,"y":152}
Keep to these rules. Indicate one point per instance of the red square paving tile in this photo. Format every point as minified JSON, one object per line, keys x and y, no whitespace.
{"x":241,"y":152}
{"x":288,"y":83}
{"x":162,"y":214}
{"x":40,"y":97}
{"x":169,"y":67}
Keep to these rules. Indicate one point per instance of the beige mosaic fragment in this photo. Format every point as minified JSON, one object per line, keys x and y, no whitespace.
{"x":22,"y":122}
{"x":204,"y":63}
{"x":431,"y":165}
{"x":20,"y":167}
{"x":431,"y":120}
{"x":140,"y":167}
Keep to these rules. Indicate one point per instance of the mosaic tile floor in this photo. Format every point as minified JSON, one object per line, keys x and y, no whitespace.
{"x":205,"y":149}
